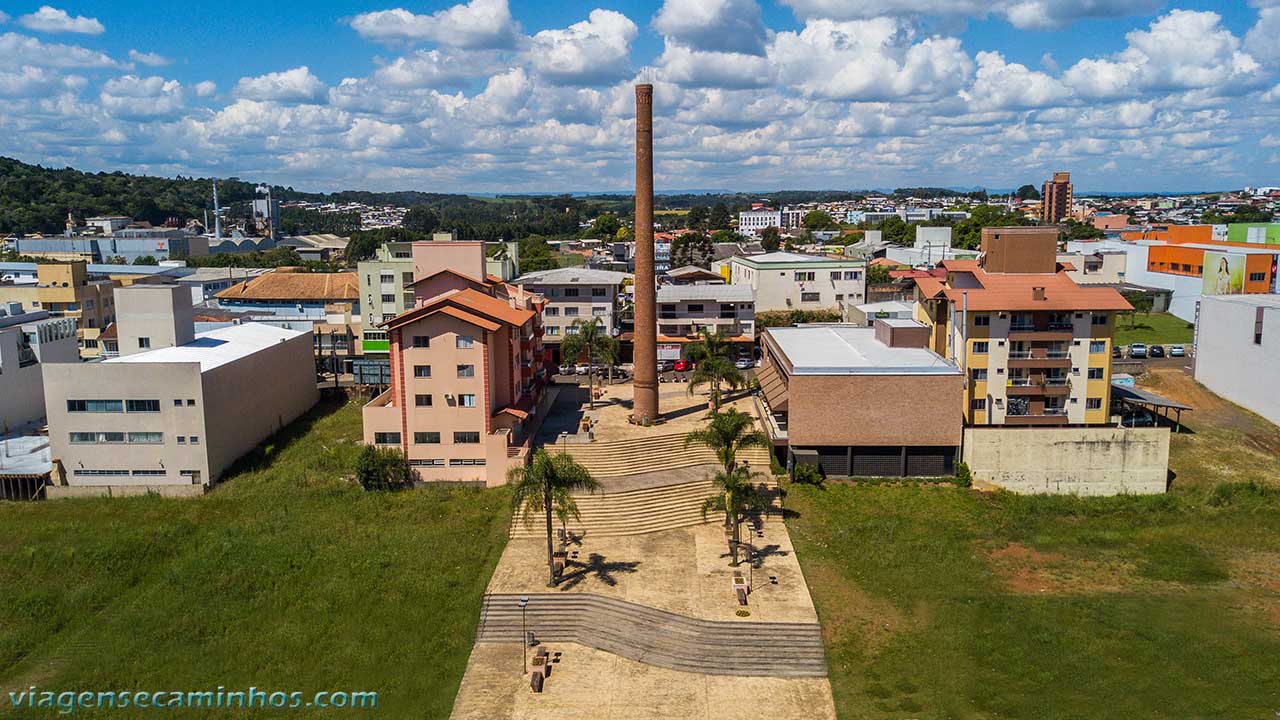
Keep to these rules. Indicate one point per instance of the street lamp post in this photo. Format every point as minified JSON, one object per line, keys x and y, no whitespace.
{"x":524,"y":637}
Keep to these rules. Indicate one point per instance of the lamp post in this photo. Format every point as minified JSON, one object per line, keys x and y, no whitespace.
{"x":524,"y":637}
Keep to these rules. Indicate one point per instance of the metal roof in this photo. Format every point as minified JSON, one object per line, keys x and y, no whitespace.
{"x":1135,"y":395}
{"x":852,"y":350}
{"x":715,"y":293}
{"x":572,"y":276}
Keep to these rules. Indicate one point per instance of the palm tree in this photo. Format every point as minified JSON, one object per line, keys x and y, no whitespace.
{"x":546,"y":486}
{"x":735,"y":496}
{"x":713,"y":365}
{"x":589,"y":338}
{"x":726,"y":433}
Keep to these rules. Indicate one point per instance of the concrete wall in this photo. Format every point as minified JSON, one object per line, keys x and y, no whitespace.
{"x":22,"y":388}
{"x":1228,"y":361}
{"x":161,"y":314}
{"x":1077,"y":461}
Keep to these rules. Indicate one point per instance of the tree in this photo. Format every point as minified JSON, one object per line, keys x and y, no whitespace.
{"x":145,"y":260}
{"x":818,"y":220}
{"x":589,"y":338}
{"x":421,"y":218}
{"x":691,"y":249}
{"x":546,"y":487}
{"x":697,"y":217}
{"x":713,"y":365}
{"x":878,"y":275}
{"x":727,"y":432}
{"x":606,"y":226}
{"x":383,"y":469}
{"x":1142,"y":302}
{"x":735,"y":497}
{"x":771,"y":239}
{"x":895,"y":230}
{"x":1072,"y":230}
{"x":1027,"y":192}
{"x":968,"y":232}
{"x":719,"y":218}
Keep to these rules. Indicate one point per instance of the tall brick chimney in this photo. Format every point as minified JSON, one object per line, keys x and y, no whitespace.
{"x":645,"y":405}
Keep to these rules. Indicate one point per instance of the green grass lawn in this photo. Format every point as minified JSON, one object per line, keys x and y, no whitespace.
{"x":940,"y":602}
{"x":287,"y":576}
{"x":1153,"y":329}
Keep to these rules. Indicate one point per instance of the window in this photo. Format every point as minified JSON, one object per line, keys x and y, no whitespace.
{"x":406,"y":278}
{"x":809,"y":297}
{"x":1257,"y":276}
{"x":836,"y":274}
{"x":852,"y":274}
{"x":465,"y":462}
{"x":981,"y":348}
{"x":177,"y":402}
{"x":146,"y":438}
{"x":1097,"y":346}
{"x":144,"y":343}
{"x":979,"y":374}
{"x":571,"y":292}
{"x":552,"y":312}
{"x":95,"y":438}
{"x":431,"y":462}
{"x":100,"y":473}
{"x":386,"y":438}
{"x":982,"y":320}
{"x":422,"y":371}
{"x":195,"y":439}
{"x":134,"y":406}
{"x":1093,"y":403}
{"x":466,"y":438}
{"x":421,"y":341}
{"x":466,"y":371}
{"x":695,"y":308}
{"x":600,"y":311}
{"x":1095,"y":373}
{"x":597,"y":292}
{"x":149,"y":473}
{"x":182,"y":439}
{"x":388,"y":297}
{"x":979,"y":404}
{"x":426,"y":438}
{"x":1098,"y":319}
{"x":422,"y":400}
{"x":465,"y":341}
{"x":805,"y":276}
{"x":571,"y":312}
{"x":553,"y":330}
{"x":387,"y":278}
{"x":191,"y":402}
{"x":467,"y":400}
{"x":99,"y":406}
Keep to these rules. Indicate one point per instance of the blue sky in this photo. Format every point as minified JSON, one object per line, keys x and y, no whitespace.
{"x":528,"y":96}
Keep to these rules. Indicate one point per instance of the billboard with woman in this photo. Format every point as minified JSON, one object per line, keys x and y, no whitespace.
{"x":1223,"y":274}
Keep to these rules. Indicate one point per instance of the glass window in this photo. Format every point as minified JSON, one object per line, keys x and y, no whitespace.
{"x":149,"y":473}
{"x":553,"y":330}
{"x":466,"y":371}
{"x":386,"y":438}
{"x":177,"y":402}
{"x":836,"y":274}
{"x":852,"y":274}
{"x":146,"y":438}
{"x":598,"y":292}
{"x":191,"y":402}
{"x":1097,"y":346}
{"x":421,"y":341}
{"x":810,"y":297}
{"x":979,"y":373}
{"x":422,"y":400}
{"x":980,"y":348}
{"x":981,"y":320}
{"x":466,"y":438}
{"x":422,"y":371}
{"x":1093,"y":403}
{"x":552,"y":312}
{"x":467,"y":400}
{"x":182,"y":439}
{"x":1095,"y":373}
{"x":979,"y":404}
{"x":465,"y":341}
{"x":142,"y":405}
{"x":571,"y":292}
{"x":195,"y":439}
{"x":93,"y":438}
{"x":426,"y":438}
{"x":571,"y":312}
{"x":1098,"y":319}
{"x":144,"y":343}
{"x":95,"y":406}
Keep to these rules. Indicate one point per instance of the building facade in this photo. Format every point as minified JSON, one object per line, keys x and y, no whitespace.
{"x":685,"y":310}
{"x":67,"y":290}
{"x":751,"y":222}
{"x":1237,"y":351}
{"x":789,"y":281}
{"x":29,"y":340}
{"x":574,"y":294}
{"x":1055,"y":199}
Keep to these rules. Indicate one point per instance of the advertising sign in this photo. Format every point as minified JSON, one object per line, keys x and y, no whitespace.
{"x":669,"y":351}
{"x":1223,"y":274}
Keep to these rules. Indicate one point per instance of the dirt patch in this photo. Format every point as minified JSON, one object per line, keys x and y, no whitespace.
{"x":873,"y":620}
{"x":1030,"y":571}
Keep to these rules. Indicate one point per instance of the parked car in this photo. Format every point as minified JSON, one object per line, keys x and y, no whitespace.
{"x":744,"y":363}
{"x":1117,"y":351}
{"x":1177,"y":351}
{"x":584,"y":369}
{"x":665,"y":366}
{"x":682,"y":365}
{"x":567,"y":369}
{"x":1138,"y":420}
{"x":1156,"y":351}
{"x":1137,"y":350}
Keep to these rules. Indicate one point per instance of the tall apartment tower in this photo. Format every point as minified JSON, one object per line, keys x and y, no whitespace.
{"x":1055,"y":200}
{"x":645,"y":408}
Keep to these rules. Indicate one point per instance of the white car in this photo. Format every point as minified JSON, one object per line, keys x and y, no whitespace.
{"x":744,"y":364}
{"x":567,"y":369}
{"x":584,"y":369}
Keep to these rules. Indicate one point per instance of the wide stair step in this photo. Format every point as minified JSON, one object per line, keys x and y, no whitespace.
{"x":657,"y":637}
{"x":647,"y":455}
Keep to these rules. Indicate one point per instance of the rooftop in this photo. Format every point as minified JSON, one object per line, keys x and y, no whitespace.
{"x":572,"y":276}
{"x":718,"y":293}
{"x":216,"y":348}
{"x":24,"y":455}
{"x":1017,"y":291}
{"x":783,"y":258}
{"x":852,"y":350}
{"x":296,"y":286}
{"x":887,"y":306}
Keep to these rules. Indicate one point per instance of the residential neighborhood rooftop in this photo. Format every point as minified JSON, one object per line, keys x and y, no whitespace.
{"x":216,"y":348}
{"x":717,"y":293}
{"x":572,"y":276}
{"x":852,"y":350}
{"x":280,"y":285}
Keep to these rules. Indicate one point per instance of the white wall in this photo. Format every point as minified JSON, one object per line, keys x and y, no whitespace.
{"x":1230,"y":364}
{"x":1070,"y":461}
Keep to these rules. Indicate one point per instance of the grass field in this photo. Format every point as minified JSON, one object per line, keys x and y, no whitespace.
{"x":939,"y":602}
{"x":287,"y":576}
{"x":1153,"y":329}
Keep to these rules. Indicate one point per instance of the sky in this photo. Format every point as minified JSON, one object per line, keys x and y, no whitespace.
{"x":536,"y":96}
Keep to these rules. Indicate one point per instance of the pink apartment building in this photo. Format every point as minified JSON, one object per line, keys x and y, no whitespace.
{"x":467,"y":370}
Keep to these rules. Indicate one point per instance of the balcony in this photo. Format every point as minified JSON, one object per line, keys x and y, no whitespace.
{"x":1020,"y":386}
{"x":1047,"y":416}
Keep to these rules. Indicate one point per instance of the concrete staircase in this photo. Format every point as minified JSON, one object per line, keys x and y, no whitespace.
{"x":645,"y":510}
{"x":650,"y":454}
{"x":657,"y":637}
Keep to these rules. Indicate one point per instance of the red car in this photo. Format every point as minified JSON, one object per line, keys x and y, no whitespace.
{"x":683,"y":366}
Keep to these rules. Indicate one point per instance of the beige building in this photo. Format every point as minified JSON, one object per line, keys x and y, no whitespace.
{"x":790,"y":281}
{"x":1095,"y":268}
{"x":64,"y":290}
{"x":175,"y":409}
{"x":28,"y":342}
{"x":683,"y":310}
{"x":575,"y":294}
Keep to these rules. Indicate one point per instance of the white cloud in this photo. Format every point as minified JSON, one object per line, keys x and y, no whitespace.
{"x":29,"y":81}
{"x":134,"y":97}
{"x":1001,"y":85}
{"x":149,"y":59}
{"x":869,"y":61}
{"x":694,"y":68}
{"x":1051,"y":14}
{"x":477,"y":24}
{"x":296,"y":85}
{"x":1183,"y":50}
{"x":592,"y":52}
{"x":1261,"y":40}
{"x":18,"y":50}
{"x":4,"y":17}
{"x":52,"y":20}
{"x":726,"y":26}
{"x":1023,"y":14}
{"x":206,"y":88}
{"x":435,"y":68}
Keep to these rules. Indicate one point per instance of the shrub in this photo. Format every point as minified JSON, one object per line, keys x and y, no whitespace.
{"x":383,"y":469}
{"x":1231,"y":493}
{"x":964,"y":478}
{"x":808,"y":475}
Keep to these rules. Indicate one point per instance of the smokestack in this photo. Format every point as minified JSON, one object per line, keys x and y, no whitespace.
{"x":645,"y":378}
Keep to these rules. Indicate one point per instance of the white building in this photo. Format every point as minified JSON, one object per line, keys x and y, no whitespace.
{"x":574,"y":294}
{"x":683,"y":310}
{"x":751,"y":222}
{"x":789,"y":281}
{"x":1237,"y":350}
{"x":28,"y":342}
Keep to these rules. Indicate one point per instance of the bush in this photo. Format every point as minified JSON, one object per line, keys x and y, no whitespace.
{"x":383,"y":469}
{"x":964,"y":478}
{"x":1231,"y":493}
{"x":808,"y":475}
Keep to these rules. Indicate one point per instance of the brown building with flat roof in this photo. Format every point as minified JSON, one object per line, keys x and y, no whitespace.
{"x":841,"y":398}
{"x":1020,"y":249}
{"x":1055,"y":200}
